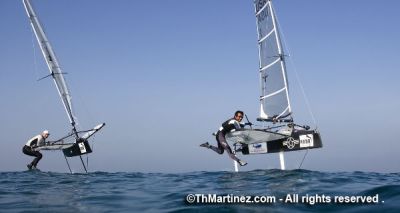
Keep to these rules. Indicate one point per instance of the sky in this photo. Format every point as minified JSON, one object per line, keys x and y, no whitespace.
{"x":164,"y":75}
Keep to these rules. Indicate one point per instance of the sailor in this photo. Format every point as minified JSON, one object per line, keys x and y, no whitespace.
{"x":28,"y":149}
{"x":228,"y":126}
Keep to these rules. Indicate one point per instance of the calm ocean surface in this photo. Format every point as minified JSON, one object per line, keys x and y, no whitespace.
{"x":35,"y":191}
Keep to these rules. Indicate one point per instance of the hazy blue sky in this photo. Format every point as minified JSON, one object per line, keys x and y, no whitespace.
{"x":164,"y":75}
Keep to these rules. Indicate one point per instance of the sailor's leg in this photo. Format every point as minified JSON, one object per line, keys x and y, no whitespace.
{"x":217,"y":149}
{"x":230,"y":153}
{"x":37,"y":159}
{"x":226,"y":147}
{"x":28,"y":151}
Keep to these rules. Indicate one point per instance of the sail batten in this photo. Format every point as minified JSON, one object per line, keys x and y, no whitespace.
{"x":274,"y":99}
{"x":269,"y":65}
{"x":266,"y":36}
{"x":274,"y":93}
{"x":264,"y":5}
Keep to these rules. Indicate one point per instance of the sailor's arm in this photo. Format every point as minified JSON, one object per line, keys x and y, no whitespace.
{"x":238,"y":125}
{"x":41,"y":141}
{"x":242,"y":125}
{"x":32,"y":142}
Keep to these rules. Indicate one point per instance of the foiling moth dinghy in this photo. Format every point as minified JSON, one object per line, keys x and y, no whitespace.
{"x":76,"y":142}
{"x":282,"y":134}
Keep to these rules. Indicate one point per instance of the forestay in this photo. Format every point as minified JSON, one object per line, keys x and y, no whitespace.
{"x":274,"y":84}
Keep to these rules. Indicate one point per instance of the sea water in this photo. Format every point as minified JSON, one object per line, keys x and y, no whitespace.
{"x":252,"y":191}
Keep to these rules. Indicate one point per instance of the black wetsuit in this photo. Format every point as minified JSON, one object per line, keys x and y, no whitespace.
{"x":28,"y":150}
{"x":226,"y":127}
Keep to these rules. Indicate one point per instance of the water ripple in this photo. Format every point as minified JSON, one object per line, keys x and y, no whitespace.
{"x":160,"y":192}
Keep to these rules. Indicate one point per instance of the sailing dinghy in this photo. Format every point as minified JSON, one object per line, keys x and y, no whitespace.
{"x":76,"y":142}
{"x":282,"y":133}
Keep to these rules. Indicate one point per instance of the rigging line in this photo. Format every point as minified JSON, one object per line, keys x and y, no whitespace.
{"x":87,"y":156}
{"x":83,"y":163}
{"x":35,"y":65}
{"x":304,"y":157}
{"x":296,"y":74}
{"x":304,"y":94}
{"x":66,"y":160}
{"x":83,"y":106}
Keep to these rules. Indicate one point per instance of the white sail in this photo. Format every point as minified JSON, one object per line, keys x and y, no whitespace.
{"x":274,"y":84}
{"x":52,"y":62}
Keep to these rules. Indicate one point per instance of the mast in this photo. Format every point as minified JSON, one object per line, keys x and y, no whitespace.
{"x":274,"y":99}
{"x":52,"y":63}
{"x":281,"y":53}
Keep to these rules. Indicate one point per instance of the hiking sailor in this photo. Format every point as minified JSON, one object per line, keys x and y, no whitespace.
{"x":228,"y":126}
{"x":28,"y":149}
